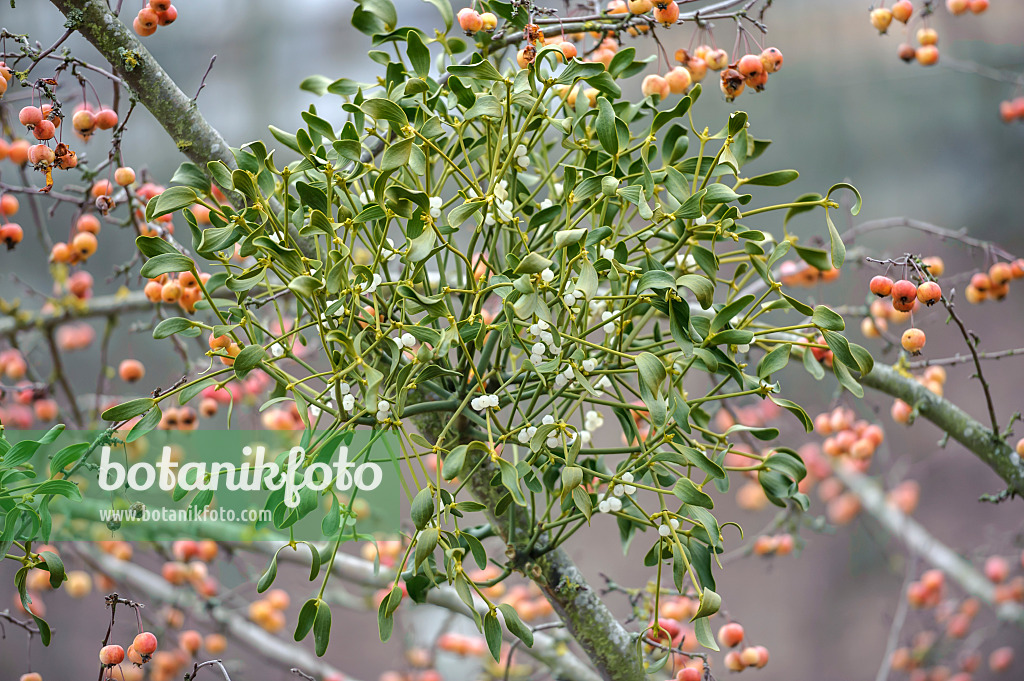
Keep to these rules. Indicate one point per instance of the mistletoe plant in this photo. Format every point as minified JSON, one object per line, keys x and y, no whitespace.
{"x":485,"y":263}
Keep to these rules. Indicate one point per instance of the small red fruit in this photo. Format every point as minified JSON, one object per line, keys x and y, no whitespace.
{"x":929,"y":293}
{"x":130,"y":371}
{"x":168,"y":16}
{"x":44,"y":130}
{"x":927,"y":55}
{"x":106,"y":119}
{"x":913,"y":340}
{"x":881,"y":286}
{"x":750,"y":65}
{"x":124,"y":176}
{"x":30,"y":116}
{"x":655,"y":85}
{"x":979,"y":6}
{"x":469,"y":20}
{"x":666,"y":13}
{"x":904,"y":294}
{"x":771,"y":59}
{"x":731,"y":634}
{"x":111,"y":655}
{"x":997,"y":569}
{"x":902,"y":10}
{"x":145,"y":644}
{"x":881,"y":18}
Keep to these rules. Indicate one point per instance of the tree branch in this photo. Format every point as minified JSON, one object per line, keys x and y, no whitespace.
{"x":988,"y":446}
{"x":920,"y":542}
{"x":147,"y":80}
{"x":103,"y":306}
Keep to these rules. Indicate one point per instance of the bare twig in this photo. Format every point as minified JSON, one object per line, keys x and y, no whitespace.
{"x":202,"y":83}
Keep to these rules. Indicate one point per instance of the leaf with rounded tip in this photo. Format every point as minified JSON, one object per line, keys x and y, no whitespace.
{"x":166,"y":263}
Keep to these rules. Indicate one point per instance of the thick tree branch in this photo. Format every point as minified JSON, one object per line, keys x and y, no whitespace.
{"x":920,"y":542}
{"x":103,"y":306}
{"x":147,"y":80}
{"x":988,"y":446}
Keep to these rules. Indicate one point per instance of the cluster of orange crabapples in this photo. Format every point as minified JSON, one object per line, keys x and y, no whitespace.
{"x":905,"y":295}
{"x":934,"y":379}
{"x":994,"y":284}
{"x":793,"y":274}
{"x":750,"y":70}
{"x":954,"y":620}
{"x":28,"y":400}
{"x":154,"y":15}
{"x":182,"y":289}
{"x":1012,"y":110}
{"x":927,"y":50}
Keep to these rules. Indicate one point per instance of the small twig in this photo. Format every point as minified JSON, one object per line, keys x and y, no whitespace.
{"x":299,"y":672}
{"x":209,"y":663}
{"x":960,"y":359}
{"x":202,"y":83}
{"x":897,"y":621}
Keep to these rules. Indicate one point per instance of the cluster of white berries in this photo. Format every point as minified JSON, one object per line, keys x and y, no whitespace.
{"x":502,"y":205}
{"x":482,"y":402}
{"x":592,"y":420}
{"x":388,"y":250}
{"x":435,"y":206}
{"x":610,"y":325}
{"x":613,"y":503}
{"x":404,"y":340}
{"x":383,"y":410}
{"x":348,"y":400}
{"x":367,"y":197}
{"x":546,"y":341}
{"x":665,"y":529}
{"x":572,"y":297}
{"x":522,"y":160}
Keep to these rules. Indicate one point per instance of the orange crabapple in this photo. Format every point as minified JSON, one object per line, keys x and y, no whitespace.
{"x":881,"y":286}
{"x":8,"y":205}
{"x":470,"y":20}
{"x":168,"y":16}
{"x":88,"y":222}
{"x":84,"y":123}
{"x":731,"y":634}
{"x":44,"y":130}
{"x":131,"y":370}
{"x":881,"y":19}
{"x":979,"y":6}
{"x":640,"y":6}
{"x":31,"y":676}
{"x":929,"y":293}
{"x":679,"y":80}
{"x":997,"y":569}
{"x":215,"y":644}
{"x":18,"y":152}
{"x":41,"y":156}
{"x":190,"y":641}
{"x":567,"y":49}
{"x":124,"y":176}
{"x":1000,"y":659}
{"x":160,"y":5}
{"x":901,"y":411}
{"x":45,"y":409}
{"x":30,"y":116}
{"x":902,"y":10}
{"x":927,"y":36}
{"x":147,"y":19}
{"x":145,"y":644}
{"x":84,"y":245}
{"x":11,"y":234}
{"x":771,"y":59}
{"x":733,"y":662}
{"x":904,"y":295}
{"x":654,"y":84}
{"x":689,"y":674}
{"x":153,"y":290}
{"x":749,"y":65}
{"x":666,"y":13}
{"x":873,"y":328}
{"x":111,"y":655}
{"x":717,"y":59}
{"x":106,"y":119}
{"x":913,"y":340}
{"x":935,"y":266}
{"x":489,"y":21}
{"x":1000,"y":273}
{"x":957,"y":7}
{"x":927,"y":55}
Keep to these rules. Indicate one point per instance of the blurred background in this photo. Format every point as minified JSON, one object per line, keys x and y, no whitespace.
{"x":925,"y":143}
